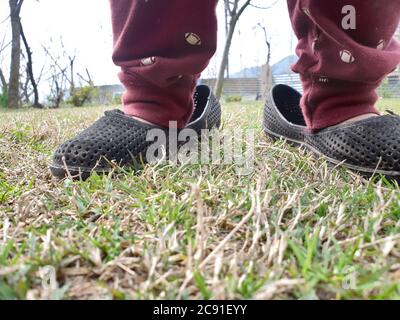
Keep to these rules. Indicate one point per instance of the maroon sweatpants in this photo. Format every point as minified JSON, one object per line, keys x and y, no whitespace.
{"x":162,"y":46}
{"x":346,"y":48}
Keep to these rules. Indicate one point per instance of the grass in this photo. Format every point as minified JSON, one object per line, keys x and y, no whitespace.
{"x":389,"y":104}
{"x":295,"y":229}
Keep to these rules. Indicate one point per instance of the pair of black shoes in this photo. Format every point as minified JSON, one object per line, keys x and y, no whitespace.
{"x":368,"y":146}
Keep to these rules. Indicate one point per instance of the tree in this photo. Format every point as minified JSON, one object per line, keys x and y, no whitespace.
{"x":4,"y":88}
{"x":3,"y":82}
{"x":29,"y":71}
{"x":266,"y":72}
{"x":13,"y":85}
{"x":59,"y":71}
{"x":235,"y":10}
{"x":63,"y":79}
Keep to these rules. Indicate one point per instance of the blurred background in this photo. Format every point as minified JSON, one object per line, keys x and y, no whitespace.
{"x":65,"y":49}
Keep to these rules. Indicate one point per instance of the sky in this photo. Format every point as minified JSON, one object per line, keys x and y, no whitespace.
{"x":84,"y":26}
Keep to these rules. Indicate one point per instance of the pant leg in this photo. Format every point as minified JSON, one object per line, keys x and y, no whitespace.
{"x":341,"y":68}
{"x":162,"y":46}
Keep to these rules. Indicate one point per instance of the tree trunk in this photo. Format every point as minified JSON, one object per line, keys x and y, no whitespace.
{"x":266,"y":81}
{"x":266,"y":73}
{"x":235,"y":15}
{"x":13,"y":85}
{"x":225,"y":58}
{"x":71,"y":66}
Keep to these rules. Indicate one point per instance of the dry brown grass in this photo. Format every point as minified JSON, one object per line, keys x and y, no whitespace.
{"x":295,"y":228}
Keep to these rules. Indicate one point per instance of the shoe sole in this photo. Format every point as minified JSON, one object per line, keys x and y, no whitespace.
{"x":362,"y":170}
{"x":74,"y":173}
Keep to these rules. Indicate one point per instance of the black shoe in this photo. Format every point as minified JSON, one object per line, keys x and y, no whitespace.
{"x":368,"y":146}
{"x":119,"y":139}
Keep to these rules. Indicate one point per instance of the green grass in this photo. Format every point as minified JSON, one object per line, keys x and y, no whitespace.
{"x":295,"y":229}
{"x":389,"y":104}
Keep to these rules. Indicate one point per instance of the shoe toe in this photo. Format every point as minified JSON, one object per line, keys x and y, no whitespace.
{"x":82,"y":154}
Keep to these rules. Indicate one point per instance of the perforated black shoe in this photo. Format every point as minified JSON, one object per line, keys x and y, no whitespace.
{"x":368,"y":146}
{"x":121,"y":140}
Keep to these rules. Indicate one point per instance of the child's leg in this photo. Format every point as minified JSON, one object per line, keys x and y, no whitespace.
{"x":346,"y":48}
{"x":162,"y":47}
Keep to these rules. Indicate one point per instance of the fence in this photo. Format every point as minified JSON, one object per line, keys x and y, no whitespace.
{"x":292,"y":80}
{"x":251,"y":88}
{"x":247,"y":88}
{"x":390,"y":88}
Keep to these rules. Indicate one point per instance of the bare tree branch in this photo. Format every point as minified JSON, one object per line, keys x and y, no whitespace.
{"x":235,"y":8}
{"x":235,"y":15}
{"x":29,"y":69}
{"x":3,"y":81}
{"x":89,"y":80}
{"x":264,"y":8}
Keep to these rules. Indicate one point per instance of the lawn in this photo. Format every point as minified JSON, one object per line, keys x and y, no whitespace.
{"x":296,"y":228}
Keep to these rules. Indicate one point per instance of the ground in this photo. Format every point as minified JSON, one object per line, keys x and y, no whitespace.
{"x":296,"y":228}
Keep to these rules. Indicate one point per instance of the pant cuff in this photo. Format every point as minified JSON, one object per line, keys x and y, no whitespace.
{"x":159,"y":105}
{"x":327,"y":102}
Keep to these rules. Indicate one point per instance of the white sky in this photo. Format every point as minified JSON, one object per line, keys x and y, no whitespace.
{"x":85,"y":28}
